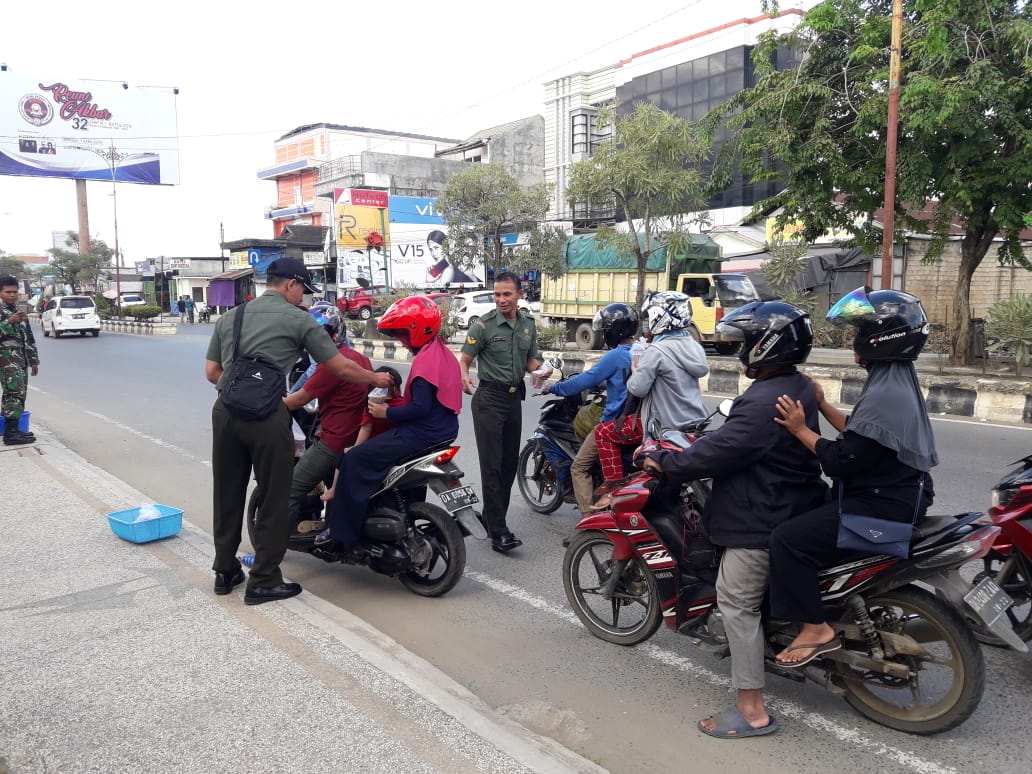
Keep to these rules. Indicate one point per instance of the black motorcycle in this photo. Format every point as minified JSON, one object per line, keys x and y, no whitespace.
{"x":421,"y":544}
{"x":543,"y":472}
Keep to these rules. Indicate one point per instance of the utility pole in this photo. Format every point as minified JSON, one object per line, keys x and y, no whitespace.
{"x":889,"y":208}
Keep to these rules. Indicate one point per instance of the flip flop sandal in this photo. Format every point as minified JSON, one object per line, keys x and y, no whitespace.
{"x":323,"y":538}
{"x":819,"y":649}
{"x":730,"y":724}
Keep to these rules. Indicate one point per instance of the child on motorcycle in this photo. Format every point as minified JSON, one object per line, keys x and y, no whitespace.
{"x":429,"y":416}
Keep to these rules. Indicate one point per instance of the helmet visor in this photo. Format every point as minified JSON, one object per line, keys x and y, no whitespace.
{"x":729,"y":332}
{"x":853,"y":308}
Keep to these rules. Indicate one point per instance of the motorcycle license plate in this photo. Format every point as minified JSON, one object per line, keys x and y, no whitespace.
{"x":458,"y":498}
{"x":988,"y":600}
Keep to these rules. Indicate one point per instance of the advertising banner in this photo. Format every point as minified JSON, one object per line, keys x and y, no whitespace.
{"x":356,"y":222}
{"x":87,"y":130}
{"x":417,"y":237}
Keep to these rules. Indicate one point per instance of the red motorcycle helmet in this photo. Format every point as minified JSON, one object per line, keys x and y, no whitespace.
{"x":416,"y":318}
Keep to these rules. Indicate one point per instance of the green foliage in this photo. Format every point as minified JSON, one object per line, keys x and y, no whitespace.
{"x":787,"y":261}
{"x":965,"y":131}
{"x":1009,"y":321}
{"x":144,"y":312}
{"x":650,"y":169}
{"x":71,"y":268}
{"x":484,"y":202}
{"x":552,"y":336}
{"x":356,"y":328}
{"x":9,"y":265}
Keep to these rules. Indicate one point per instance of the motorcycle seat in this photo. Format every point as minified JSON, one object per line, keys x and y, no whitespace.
{"x":934,"y":526}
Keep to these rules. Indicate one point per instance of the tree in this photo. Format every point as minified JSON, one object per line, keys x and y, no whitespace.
{"x":485,"y":202}
{"x":650,"y":169}
{"x":10,"y":265}
{"x":71,"y":268}
{"x":965,"y":132}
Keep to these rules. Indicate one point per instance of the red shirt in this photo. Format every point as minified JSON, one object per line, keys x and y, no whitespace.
{"x":382,"y":425}
{"x":341,"y":404}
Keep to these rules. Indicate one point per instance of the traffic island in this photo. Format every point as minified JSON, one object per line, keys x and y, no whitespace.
{"x":139,"y":327}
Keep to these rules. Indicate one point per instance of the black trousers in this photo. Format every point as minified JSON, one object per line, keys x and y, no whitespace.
{"x":806,"y":544}
{"x":237,"y":448}
{"x":498,"y":426}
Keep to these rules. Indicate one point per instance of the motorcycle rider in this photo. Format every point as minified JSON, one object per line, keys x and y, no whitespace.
{"x":341,"y":410}
{"x":429,"y":416}
{"x":760,"y":479}
{"x":881,"y":460}
{"x":666,"y":378}
{"x":618,"y":324}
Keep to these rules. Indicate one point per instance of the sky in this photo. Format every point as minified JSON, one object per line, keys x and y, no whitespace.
{"x":249,"y":72}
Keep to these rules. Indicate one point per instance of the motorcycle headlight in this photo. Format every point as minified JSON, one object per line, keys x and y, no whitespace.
{"x":1002,"y":497}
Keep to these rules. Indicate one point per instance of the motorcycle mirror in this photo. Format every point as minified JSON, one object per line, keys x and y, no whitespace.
{"x":725,"y":407}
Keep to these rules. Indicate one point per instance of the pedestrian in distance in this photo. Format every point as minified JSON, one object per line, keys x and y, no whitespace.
{"x":18,"y":359}
{"x":504,"y":344}
{"x":761,"y":477}
{"x":275,"y":328}
{"x":181,"y":308}
{"x":190,"y":307}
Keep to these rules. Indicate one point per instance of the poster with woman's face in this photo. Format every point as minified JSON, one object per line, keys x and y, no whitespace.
{"x":417,"y":236}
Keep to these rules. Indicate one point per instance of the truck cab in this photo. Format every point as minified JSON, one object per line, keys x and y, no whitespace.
{"x":714,"y":295}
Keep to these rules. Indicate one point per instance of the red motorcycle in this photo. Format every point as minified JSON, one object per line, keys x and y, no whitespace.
{"x":909,"y":660}
{"x":1009,"y":561}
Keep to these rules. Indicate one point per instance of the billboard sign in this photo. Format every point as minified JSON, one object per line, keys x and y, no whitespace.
{"x":87,"y":130}
{"x":355,"y":222}
{"x":417,"y":255}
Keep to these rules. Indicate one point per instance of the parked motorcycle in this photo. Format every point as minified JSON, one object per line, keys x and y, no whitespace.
{"x":203,"y":313}
{"x":1009,"y":561}
{"x":419,"y":543}
{"x":543,"y":472}
{"x":909,"y":660}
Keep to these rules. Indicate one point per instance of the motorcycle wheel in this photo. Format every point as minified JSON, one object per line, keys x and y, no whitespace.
{"x":296,"y":542}
{"x":537,"y":480}
{"x":948,"y":684}
{"x":633,"y":614}
{"x":442,"y":571}
{"x":1018,"y":584}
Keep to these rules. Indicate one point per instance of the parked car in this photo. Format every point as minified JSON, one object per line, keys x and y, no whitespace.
{"x":468,"y":307}
{"x":66,"y":314}
{"x":133,"y":299}
{"x":363,"y":303}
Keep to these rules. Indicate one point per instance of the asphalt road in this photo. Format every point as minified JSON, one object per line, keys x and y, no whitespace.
{"x":138,"y":407}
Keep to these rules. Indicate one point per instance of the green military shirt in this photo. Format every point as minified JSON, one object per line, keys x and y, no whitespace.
{"x":16,"y":341}
{"x":502,"y":346}
{"x":273,"y":328}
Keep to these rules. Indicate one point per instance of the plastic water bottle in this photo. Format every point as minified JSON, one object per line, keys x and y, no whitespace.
{"x":247,"y":560}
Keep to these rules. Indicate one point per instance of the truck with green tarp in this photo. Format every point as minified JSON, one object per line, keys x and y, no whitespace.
{"x":597,"y":276}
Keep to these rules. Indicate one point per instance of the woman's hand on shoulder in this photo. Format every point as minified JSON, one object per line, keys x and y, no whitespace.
{"x":791,"y":414}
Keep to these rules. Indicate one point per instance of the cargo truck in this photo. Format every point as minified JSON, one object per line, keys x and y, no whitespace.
{"x":596,"y":277}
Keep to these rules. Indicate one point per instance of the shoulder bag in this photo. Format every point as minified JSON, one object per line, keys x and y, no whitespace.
{"x":872,"y":535}
{"x":255,"y":385}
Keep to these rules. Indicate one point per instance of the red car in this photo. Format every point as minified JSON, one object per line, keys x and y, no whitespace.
{"x":362,"y":302}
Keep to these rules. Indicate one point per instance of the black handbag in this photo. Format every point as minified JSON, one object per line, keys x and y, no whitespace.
{"x":255,"y":386}
{"x":872,"y":535}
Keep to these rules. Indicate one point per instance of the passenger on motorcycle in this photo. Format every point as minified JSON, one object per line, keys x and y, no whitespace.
{"x":341,"y":408}
{"x":760,"y":479}
{"x":618,"y":324}
{"x":666,"y":378}
{"x":429,"y":417}
{"x":880,"y":462}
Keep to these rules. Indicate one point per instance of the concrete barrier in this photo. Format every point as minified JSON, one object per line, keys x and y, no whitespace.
{"x":138,"y":327}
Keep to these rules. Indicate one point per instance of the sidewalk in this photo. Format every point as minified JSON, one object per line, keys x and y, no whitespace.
{"x":119,"y":658}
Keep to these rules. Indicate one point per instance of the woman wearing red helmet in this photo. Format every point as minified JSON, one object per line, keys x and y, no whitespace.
{"x":428,"y":416}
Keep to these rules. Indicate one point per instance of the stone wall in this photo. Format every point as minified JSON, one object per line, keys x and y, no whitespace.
{"x":934,"y":283}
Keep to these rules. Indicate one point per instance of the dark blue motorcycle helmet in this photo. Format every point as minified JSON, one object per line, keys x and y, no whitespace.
{"x":616,"y":322}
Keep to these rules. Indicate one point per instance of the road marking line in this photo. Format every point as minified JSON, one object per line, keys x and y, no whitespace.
{"x":814,"y":720}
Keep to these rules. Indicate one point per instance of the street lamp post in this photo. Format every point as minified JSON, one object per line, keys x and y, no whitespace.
{"x":113,"y":159}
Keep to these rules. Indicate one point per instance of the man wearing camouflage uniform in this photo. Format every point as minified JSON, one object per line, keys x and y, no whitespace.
{"x":18,"y":356}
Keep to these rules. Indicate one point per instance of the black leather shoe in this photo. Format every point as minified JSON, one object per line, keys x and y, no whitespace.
{"x":16,"y":438}
{"x":505,"y":543}
{"x":567,"y":540}
{"x":224,"y":583}
{"x":261,"y":594}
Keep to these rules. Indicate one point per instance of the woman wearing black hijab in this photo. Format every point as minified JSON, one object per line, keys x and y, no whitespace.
{"x":880,"y":461}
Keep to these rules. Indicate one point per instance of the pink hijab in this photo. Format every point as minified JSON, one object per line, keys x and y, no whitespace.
{"x":439,"y":366}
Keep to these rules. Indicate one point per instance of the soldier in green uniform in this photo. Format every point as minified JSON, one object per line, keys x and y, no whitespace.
{"x":18,"y":357}
{"x":276,"y":328}
{"x":504,"y":343}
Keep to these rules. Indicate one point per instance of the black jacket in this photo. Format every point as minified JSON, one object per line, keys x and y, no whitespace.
{"x":761,"y":474}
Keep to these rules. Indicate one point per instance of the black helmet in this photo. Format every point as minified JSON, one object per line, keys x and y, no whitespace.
{"x":617,"y":322}
{"x":890,"y":324}
{"x":772,"y":333}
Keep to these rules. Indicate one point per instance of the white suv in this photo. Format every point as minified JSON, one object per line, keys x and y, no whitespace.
{"x":63,"y":314}
{"x":467,"y":308}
